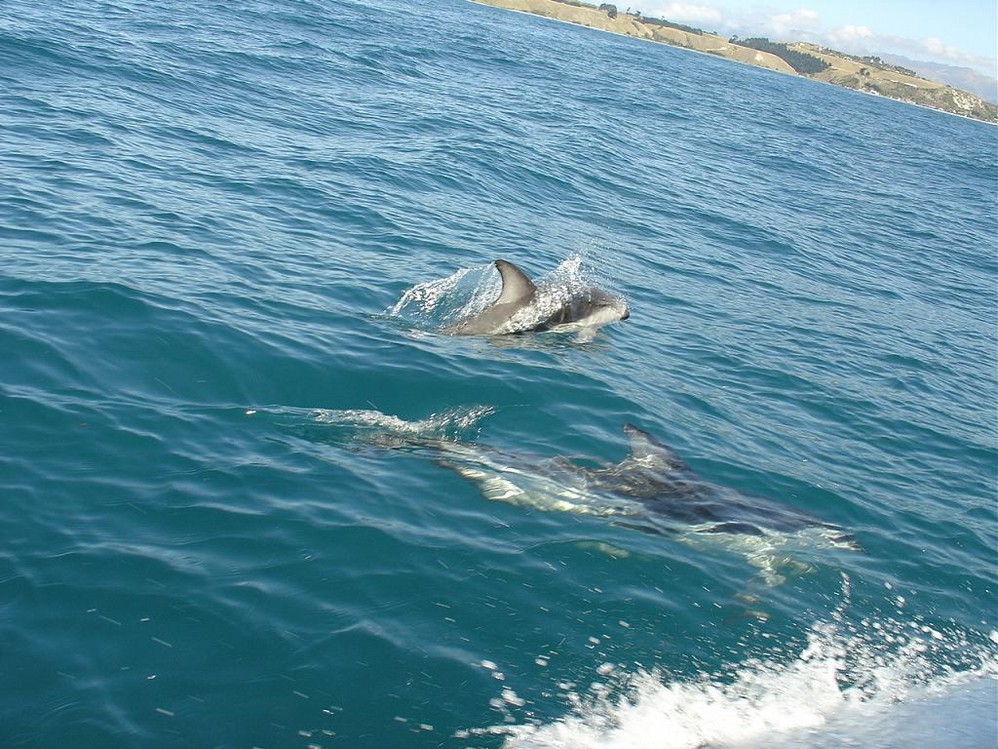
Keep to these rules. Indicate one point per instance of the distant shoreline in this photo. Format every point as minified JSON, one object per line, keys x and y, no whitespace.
{"x":869,"y":75}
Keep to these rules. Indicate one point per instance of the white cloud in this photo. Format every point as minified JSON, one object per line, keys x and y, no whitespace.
{"x":799,"y":17}
{"x":851,"y":33}
{"x":936,"y":50}
{"x":936,"y":47}
{"x":804,"y":24}
{"x":861,"y":40}
{"x":786,"y":24}
{"x":744,"y":22}
{"x":688,"y":13}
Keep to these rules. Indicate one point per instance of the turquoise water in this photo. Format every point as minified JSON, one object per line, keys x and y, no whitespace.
{"x":209,"y":217}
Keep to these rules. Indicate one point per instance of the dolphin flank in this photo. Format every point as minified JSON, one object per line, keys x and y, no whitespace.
{"x":522,"y":307}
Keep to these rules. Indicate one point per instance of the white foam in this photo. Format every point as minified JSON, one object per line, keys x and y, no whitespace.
{"x":855,"y":690}
{"x":439,"y":425}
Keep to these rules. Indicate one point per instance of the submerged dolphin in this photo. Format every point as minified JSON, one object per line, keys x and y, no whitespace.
{"x":521,"y":307}
{"x":651,"y":490}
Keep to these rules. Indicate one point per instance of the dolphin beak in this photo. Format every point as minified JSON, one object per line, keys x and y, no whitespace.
{"x":627,"y":313}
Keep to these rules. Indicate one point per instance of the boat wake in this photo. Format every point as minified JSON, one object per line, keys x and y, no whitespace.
{"x":885,"y":685}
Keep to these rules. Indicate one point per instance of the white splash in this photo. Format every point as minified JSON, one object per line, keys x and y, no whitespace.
{"x":425,"y":296}
{"x":442,"y":425}
{"x":435,"y":304}
{"x":840,"y":691}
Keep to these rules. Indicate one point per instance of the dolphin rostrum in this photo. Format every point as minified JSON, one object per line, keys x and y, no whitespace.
{"x":522,"y":307}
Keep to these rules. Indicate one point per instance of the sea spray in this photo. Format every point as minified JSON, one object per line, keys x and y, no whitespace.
{"x":359,"y":426}
{"x":431,"y":305}
{"x":844,"y":675}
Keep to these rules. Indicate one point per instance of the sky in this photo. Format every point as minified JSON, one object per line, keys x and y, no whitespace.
{"x":955,"y":32}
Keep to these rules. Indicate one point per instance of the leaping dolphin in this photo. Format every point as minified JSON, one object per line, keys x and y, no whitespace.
{"x":522,"y":307}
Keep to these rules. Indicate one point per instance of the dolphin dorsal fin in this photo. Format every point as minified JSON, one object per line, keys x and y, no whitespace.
{"x":516,"y":287}
{"x":647,"y":449}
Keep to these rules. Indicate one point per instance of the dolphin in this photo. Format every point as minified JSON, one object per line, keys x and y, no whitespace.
{"x":652,"y":490}
{"x":522,"y":307}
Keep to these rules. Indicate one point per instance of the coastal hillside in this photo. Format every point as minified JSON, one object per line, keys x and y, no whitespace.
{"x":624,"y":23}
{"x":874,"y":76}
{"x":870,"y":75}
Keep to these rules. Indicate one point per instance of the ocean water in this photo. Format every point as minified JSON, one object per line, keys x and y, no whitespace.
{"x":229,"y":234}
